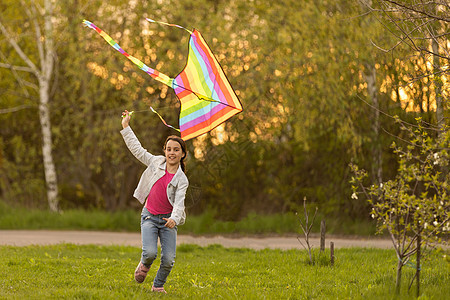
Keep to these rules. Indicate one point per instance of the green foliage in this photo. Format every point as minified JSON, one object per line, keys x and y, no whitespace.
{"x":297,"y":66}
{"x":416,"y":200}
{"x":413,"y":206}
{"x":99,"y":272}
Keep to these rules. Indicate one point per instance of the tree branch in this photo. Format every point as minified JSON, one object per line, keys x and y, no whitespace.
{"x":16,"y":68}
{"x":37,"y":30}
{"x":401,"y":29}
{"x":388,"y":50}
{"x":396,"y":247}
{"x":14,"y":109}
{"x":406,"y":36}
{"x":421,"y":12}
{"x":21,"y":82}
{"x":19,"y":51}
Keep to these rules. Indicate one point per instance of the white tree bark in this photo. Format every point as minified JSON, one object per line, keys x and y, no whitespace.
{"x":371,"y":78}
{"x":372,"y":90}
{"x":49,"y":166}
{"x":47,"y":58}
{"x":43,"y":74}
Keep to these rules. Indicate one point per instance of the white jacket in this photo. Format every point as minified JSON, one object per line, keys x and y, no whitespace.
{"x":156,"y":168}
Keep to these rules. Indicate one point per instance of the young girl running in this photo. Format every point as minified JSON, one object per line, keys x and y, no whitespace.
{"x":162,"y":188}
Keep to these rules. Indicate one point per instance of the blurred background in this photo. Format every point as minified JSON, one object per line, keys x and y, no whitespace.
{"x":320,"y":82}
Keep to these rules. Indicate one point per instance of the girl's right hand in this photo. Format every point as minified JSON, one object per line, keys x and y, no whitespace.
{"x":126,"y":116}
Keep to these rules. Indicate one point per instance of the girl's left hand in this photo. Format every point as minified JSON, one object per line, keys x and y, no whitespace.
{"x":170,"y":223}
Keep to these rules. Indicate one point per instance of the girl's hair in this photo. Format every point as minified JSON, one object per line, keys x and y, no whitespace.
{"x":183,"y":148}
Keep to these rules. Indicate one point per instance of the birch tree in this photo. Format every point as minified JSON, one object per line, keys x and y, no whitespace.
{"x":370,"y":75}
{"x":418,"y":195}
{"x":413,"y":207}
{"x":42,"y":67}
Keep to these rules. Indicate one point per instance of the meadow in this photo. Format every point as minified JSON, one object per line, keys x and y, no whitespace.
{"x":66,"y":271}
{"x":206,"y":223}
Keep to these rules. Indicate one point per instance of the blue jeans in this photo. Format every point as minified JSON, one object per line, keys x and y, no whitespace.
{"x":152,"y":227}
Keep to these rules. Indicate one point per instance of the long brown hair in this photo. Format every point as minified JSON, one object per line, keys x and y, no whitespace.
{"x":183,"y":148}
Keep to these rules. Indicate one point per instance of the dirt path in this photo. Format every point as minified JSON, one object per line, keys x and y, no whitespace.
{"x":48,"y":237}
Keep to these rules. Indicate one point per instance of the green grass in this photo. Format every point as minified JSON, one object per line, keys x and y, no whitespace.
{"x":206,"y":223}
{"x":67,"y":271}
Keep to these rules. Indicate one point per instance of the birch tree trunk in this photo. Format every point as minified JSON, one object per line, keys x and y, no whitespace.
{"x":47,"y":64}
{"x":372,"y":90}
{"x":49,"y":165}
{"x":43,"y":70}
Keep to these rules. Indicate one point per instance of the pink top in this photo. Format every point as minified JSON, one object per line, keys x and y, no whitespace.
{"x":157,"y":201}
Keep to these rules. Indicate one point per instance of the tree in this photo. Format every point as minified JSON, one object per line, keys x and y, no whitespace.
{"x":299,"y":68}
{"x":422,"y":26}
{"x":97,"y":85}
{"x":42,"y":68}
{"x":413,"y":207}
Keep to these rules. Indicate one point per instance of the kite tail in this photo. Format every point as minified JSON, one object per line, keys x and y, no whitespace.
{"x":153,"y":73}
{"x":163,"y":120}
{"x":168,"y":24}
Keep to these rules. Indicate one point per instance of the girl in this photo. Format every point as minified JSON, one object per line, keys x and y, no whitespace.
{"x":162,"y":188}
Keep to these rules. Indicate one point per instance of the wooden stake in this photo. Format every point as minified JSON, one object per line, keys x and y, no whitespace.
{"x":322,"y":235}
{"x":332,"y":253}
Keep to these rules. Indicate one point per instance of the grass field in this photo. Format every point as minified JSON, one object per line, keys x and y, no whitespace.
{"x":206,"y":223}
{"x":67,"y":271}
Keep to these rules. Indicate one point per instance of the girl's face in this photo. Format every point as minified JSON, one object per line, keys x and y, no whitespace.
{"x":174,"y":152}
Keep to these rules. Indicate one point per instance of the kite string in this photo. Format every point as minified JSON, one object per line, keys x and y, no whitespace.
{"x":168,"y":125}
{"x":168,"y":24}
{"x":165,"y":123}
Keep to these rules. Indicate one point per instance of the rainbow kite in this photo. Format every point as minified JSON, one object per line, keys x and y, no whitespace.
{"x":206,"y":96}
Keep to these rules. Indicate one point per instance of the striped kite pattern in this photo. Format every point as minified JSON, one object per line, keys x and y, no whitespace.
{"x":206,"y":96}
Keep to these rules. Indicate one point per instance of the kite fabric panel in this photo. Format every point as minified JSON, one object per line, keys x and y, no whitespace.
{"x":206,"y":96}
